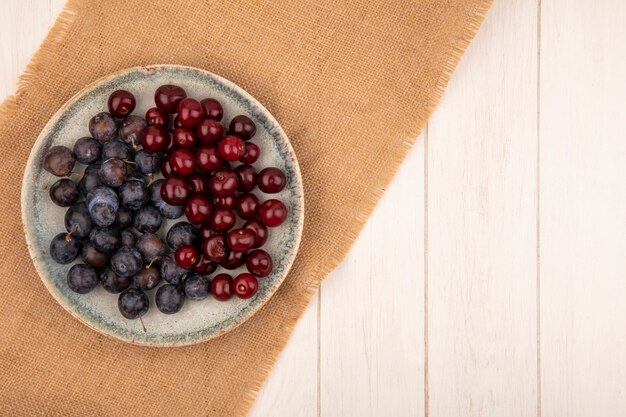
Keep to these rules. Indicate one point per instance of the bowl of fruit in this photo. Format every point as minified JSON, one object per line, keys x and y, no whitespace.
{"x":162,"y":205}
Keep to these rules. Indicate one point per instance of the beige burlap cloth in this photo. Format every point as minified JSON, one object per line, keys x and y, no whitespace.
{"x":351,"y":81}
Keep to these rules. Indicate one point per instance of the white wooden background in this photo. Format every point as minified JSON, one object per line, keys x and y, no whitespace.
{"x":503,"y":290}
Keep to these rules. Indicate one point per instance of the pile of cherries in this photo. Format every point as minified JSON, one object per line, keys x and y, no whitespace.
{"x":207,"y":176}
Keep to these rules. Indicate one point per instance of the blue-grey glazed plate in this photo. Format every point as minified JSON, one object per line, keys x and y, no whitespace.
{"x":198,"y":320}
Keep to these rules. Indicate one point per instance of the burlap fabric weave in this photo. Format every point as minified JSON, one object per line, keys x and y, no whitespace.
{"x":351,"y":82}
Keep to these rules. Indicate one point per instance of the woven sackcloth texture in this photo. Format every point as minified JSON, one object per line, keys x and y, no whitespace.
{"x":352,"y":82}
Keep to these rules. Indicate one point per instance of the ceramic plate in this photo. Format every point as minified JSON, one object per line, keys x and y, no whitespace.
{"x":197,"y":320}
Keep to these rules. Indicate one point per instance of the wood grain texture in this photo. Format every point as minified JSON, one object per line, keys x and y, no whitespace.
{"x":482,"y":225}
{"x":583,"y":208}
{"x":291,"y":388}
{"x":371,"y":328}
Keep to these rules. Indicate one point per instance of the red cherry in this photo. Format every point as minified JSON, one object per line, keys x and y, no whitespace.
{"x":189,"y":112}
{"x":186,"y":256}
{"x":220,"y":287}
{"x":183,"y":162}
{"x":154,"y":138}
{"x":198,"y":209}
{"x":244,"y":286}
{"x":156,"y":117}
{"x":170,"y":144}
{"x":271,"y":180}
{"x":208,"y":159}
{"x":184,"y":137}
{"x":175,"y":191}
{"x":251,"y":153}
{"x":240,"y":240}
{"x":210,"y":131}
{"x":205,"y":231}
{"x":212,"y":109}
{"x":199,"y":183}
{"x":166,"y":167}
{"x":242,"y":126}
{"x":259,"y":263}
{"x":246,"y":177}
{"x":223,"y":220}
{"x":231,"y":148}
{"x":214,"y":248}
{"x":233,"y":260}
{"x":167,"y":97}
{"x":223,"y":183}
{"x":227,"y":202}
{"x":121,"y":103}
{"x":259,"y":229}
{"x":272,"y":213}
{"x":247,"y":206}
{"x":204,"y":266}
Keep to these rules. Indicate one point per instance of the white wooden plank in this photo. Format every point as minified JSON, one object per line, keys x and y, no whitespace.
{"x":583,"y":208}
{"x":371,"y":335}
{"x":481,"y":246}
{"x":23,"y":26}
{"x":291,"y":388}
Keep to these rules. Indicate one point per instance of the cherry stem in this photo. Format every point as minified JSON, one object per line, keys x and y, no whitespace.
{"x":128,"y":161}
{"x":143,"y":325}
{"x":69,"y":235}
{"x":150,"y":264}
{"x":132,"y":142}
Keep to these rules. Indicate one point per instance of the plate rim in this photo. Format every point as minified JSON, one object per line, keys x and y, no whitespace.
{"x":24,"y":200}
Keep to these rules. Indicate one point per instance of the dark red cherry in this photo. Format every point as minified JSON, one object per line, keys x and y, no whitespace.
{"x":184,"y":137}
{"x":247,"y":206}
{"x":209,"y":131}
{"x":245,"y":285}
{"x":259,"y":263}
{"x":154,"y":138}
{"x":199,"y":183}
{"x":198,"y":209}
{"x":242,"y":126}
{"x":220,"y":287}
{"x":175,"y":191}
{"x":183,"y":162}
{"x":231,"y":148}
{"x":186,"y":256}
{"x":121,"y":103}
{"x":156,"y":117}
{"x":246,"y":178}
{"x":205,"y":231}
{"x":272,"y":213}
{"x":240,"y":240}
{"x":167,"y":97}
{"x":271,"y":180}
{"x":208,"y":159}
{"x":223,"y":220}
{"x":233,"y":260}
{"x":227,"y":202}
{"x":204,"y":266}
{"x":223,"y":183}
{"x":251,"y":153}
{"x":189,"y":112}
{"x":166,"y":168}
{"x":212,"y":109}
{"x":260,"y":231}
{"x":171,"y":145}
{"x":214,"y":248}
